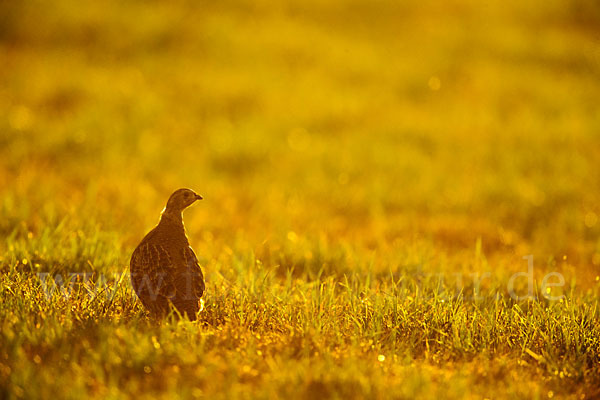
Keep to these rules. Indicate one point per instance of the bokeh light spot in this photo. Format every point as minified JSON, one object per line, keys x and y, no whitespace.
{"x":591,"y":219}
{"x":20,"y":118}
{"x":434,"y":83}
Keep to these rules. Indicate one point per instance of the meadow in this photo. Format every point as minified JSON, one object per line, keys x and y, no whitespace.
{"x":401,"y":199}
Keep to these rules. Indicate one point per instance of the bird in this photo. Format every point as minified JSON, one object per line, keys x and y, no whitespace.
{"x":164,"y":270}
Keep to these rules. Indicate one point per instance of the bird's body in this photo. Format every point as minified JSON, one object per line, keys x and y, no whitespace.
{"x":164,"y":269}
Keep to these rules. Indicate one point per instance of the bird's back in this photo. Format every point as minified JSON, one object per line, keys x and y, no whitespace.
{"x":165,"y":269}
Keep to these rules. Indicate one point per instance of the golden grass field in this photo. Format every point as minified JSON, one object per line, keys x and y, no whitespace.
{"x":374,"y":173}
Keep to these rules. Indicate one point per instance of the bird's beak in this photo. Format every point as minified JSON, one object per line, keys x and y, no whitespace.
{"x":198,"y":197}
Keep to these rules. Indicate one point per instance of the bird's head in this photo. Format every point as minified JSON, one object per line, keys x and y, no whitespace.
{"x":181,"y":199}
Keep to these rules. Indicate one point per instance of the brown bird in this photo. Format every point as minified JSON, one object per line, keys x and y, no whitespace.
{"x":164,"y":269}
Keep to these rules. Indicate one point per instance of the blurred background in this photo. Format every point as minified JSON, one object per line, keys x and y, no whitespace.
{"x":376,"y":133}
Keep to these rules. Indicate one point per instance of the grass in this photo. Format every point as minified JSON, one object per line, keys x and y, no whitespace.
{"x":373,"y":174}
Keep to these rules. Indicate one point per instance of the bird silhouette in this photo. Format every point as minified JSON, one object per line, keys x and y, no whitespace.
{"x":164,"y":270}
